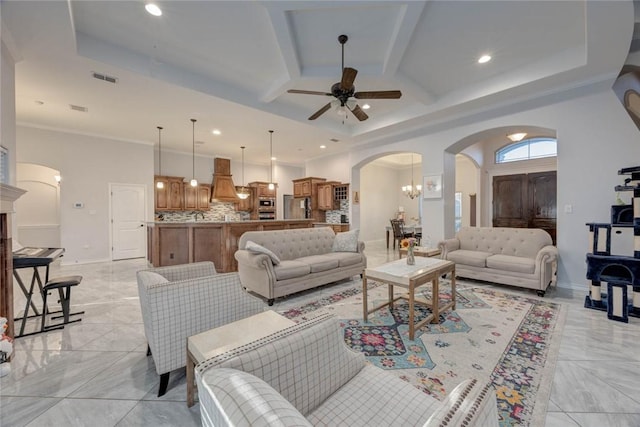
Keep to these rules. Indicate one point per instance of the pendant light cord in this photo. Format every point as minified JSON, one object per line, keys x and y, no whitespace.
{"x":242,"y":166}
{"x":193,"y":150}
{"x":271,"y":156}
{"x":159,"y":150}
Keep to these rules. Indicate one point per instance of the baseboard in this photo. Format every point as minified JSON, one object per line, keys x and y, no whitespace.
{"x":87,"y":261}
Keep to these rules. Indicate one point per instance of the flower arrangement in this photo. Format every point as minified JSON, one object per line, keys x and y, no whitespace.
{"x":409,"y":242}
{"x":6,"y":348}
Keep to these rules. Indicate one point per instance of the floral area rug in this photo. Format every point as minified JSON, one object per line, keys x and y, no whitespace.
{"x":511,"y":341}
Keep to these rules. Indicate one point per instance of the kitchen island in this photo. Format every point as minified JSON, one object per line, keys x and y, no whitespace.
{"x":171,"y":243}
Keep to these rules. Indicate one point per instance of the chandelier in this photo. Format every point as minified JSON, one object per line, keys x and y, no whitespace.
{"x":412,"y":191}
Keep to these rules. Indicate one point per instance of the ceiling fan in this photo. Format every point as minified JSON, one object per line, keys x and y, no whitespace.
{"x":344,"y":90}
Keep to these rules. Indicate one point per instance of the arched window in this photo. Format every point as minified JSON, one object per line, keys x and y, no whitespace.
{"x":532,"y":148}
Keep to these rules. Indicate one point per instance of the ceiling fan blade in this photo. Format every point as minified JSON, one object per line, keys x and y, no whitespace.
{"x":348,"y":76}
{"x":360,"y":115}
{"x":378,"y":94}
{"x":309,"y":92}
{"x":320,"y":112}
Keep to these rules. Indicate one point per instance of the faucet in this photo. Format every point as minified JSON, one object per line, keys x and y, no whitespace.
{"x":195,"y":215}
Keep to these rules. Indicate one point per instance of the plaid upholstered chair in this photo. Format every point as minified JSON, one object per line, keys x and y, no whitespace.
{"x":305,"y":375}
{"x":184,"y":300}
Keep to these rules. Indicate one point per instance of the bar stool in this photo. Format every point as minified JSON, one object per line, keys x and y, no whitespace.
{"x":61,"y":284}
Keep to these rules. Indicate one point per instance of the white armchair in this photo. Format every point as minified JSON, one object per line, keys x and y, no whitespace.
{"x":305,"y":375}
{"x":184,"y":300}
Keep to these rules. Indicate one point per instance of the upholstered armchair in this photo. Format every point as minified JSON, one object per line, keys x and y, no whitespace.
{"x":305,"y":375}
{"x":184,"y":300}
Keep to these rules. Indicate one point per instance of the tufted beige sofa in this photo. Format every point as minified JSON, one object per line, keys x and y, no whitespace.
{"x":305,"y":375}
{"x":307,"y":261}
{"x":523,"y":257}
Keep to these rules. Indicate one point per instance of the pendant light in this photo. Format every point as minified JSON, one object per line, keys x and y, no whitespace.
{"x":412,"y":191}
{"x":271,"y":184}
{"x":244,"y":192}
{"x":159,"y":184}
{"x":194,"y":182}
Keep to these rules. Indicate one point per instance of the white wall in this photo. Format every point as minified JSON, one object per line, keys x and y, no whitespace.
{"x":38,"y":210}
{"x":467,"y":184}
{"x":596,"y":137}
{"x":8,"y":109}
{"x":378,"y":201}
{"x":87,"y":165}
{"x":333,"y":168}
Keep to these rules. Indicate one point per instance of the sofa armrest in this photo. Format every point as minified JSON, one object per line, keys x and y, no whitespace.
{"x":173,"y":311}
{"x":546,"y":264}
{"x":448,"y":245}
{"x":229,"y":397}
{"x":254,"y":260}
{"x":469,"y":404}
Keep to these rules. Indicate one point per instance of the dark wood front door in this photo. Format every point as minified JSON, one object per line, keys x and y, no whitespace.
{"x":526,"y":201}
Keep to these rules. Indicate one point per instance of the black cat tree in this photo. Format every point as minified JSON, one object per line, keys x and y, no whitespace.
{"x":621,"y":273}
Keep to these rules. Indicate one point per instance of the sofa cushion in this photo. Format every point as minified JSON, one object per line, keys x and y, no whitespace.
{"x":346,"y":258}
{"x":289,"y":269}
{"x":474,"y":258}
{"x":365,"y":401}
{"x":512,"y":263}
{"x":259,"y":249}
{"x":319,"y":263}
{"x":346,"y":242}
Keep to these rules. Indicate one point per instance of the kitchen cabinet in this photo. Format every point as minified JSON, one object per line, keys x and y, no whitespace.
{"x":325,"y":197}
{"x":262,"y":189}
{"x":196,"y":198}
{"x":306,"y":187}
{"x":171,"y":196}
{"x":245,"y":205}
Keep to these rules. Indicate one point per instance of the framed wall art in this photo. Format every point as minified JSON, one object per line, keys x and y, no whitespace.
{"x":432,"y":187}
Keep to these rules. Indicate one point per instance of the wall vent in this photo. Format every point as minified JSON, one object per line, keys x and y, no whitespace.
{"x":105,"y":77}
{"x":78,"y":108}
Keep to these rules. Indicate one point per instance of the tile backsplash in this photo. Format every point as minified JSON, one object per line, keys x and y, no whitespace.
{"x":333,"y":217}
{"x":217,"y":212}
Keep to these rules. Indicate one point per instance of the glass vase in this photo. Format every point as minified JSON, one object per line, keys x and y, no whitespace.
{"x":411,"y":259}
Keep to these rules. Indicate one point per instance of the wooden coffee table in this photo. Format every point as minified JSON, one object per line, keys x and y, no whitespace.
{"x":421,"y":251}
{"x":398,"y":273}
{"x":216,"y":341}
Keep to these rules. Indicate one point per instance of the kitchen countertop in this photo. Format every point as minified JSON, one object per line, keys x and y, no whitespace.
{"x":263,"y":221}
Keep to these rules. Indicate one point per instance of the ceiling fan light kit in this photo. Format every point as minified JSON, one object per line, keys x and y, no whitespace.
{"x":344,"y":93}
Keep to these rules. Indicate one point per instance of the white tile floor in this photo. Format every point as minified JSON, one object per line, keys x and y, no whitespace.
{"x":96,"y":372}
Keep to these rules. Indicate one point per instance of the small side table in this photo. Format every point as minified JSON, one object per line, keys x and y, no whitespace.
{"x":421,"y":251}
{"x":218,"y":340}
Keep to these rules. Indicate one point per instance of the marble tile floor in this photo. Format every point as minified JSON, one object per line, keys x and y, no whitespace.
{"x":96,"y":372}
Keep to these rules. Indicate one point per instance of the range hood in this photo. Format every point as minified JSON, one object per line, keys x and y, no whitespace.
{"x":223,"y":189}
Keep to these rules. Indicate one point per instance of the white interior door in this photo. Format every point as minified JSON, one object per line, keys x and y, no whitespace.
{"x":128,"y":229}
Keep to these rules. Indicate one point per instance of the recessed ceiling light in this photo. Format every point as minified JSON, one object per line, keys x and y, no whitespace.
{"x":323,"y":146}
{"x":153,"y":9}
{"x":216,"y":132}
{"x":366,"y":106}
{"x":484,"y":59}
{"x":274,"y":158}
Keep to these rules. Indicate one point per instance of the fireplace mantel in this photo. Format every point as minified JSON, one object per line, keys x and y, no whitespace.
{"x":8,"y":195}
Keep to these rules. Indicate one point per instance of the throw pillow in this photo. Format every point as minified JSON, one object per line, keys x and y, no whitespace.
{"x":346,"y":242}
{"x":258,"y":249}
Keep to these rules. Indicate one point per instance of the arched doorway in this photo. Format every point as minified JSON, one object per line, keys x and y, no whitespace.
{"x":38,"y":210}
